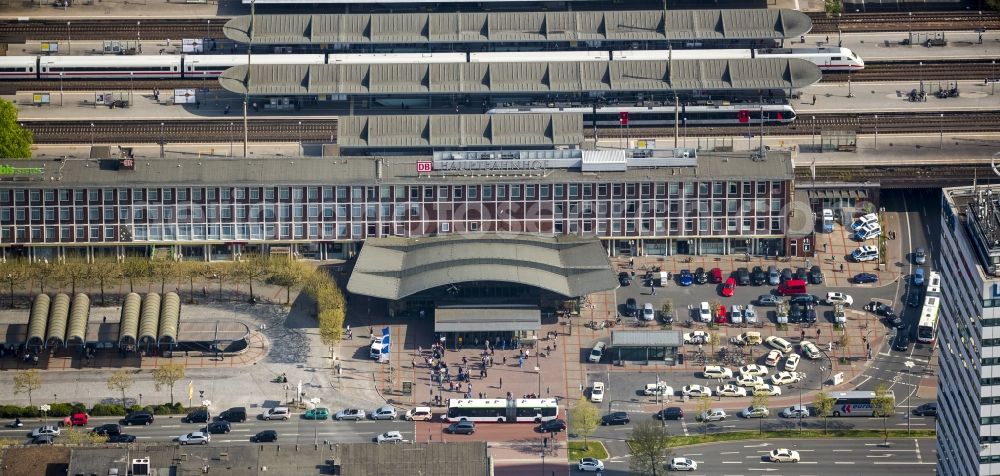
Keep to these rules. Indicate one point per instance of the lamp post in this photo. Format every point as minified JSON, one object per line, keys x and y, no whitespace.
{"x":69,"y":39}
{"x":140,"y":400}
{"x":302,"y":149}
{"x":285,"y":401}
{"x":538,"y":371}
{"x":813,"y":118}
{"x":876,"y":131}
{"x":91,"y":134}
{"x":315,"y":402}
{"x":138,"y":39}
{"x":941,"y":140}
{"x":131,"y":84}
{"x":993,"y":79}
{"x":163,"y":142}
{"x":45,"y":413}
{"x":232,"y":131}
{"x":60,"y":89}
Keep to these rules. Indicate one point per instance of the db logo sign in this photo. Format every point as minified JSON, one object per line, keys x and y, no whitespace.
{"x":425,"y":166}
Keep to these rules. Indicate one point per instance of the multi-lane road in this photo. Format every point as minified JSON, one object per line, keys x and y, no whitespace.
{"x":295,"y":430}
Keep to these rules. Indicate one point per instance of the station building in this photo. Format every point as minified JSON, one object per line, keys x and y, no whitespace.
{"x":634,"y":201}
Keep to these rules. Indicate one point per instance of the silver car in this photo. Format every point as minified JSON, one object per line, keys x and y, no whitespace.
{"x":384,"y":413}
{"x":350,"y":414}
{"x":920,"y":256}
{"x":773,"y":277}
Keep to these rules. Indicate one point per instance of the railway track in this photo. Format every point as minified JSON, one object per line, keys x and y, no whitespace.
{"x":901,"y":176}
{"x":325,"y":129}
{"x":173,"y":131}
{"x":922,"y":21}
{"x":53,"y":85}
{"x":861,"y":123}
{"x":918,"y":70}
{"x":13,"y":31}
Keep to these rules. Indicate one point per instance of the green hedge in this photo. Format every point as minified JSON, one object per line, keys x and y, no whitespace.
{"x":107,"y":409}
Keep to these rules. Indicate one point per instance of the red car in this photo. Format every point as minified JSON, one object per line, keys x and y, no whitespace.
{"x":715,"y":276}
{"x":721,"y":316}
{"x":729,"y":287}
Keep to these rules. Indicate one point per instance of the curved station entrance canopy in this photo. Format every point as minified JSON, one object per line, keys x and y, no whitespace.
{"x":395,"y":268}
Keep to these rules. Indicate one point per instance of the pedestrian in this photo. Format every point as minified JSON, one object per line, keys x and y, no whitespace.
{"x":465,"y":360}
{"x":841,"y":267}
{"x":413,"y":363}
{"x":827,"y":38}
{"x":631,"y":262}
{"x":824,"y":247}
{"x":548,"y":349}
{"x":527,"y":353}
{"x":520,"y":362}
{"x":803,"y":334}
{"x":814,"y":100}
{"x":505,"y":361}
{"x":500,"y":385}
{"x":420,"y":350}
{"x":371,"y":330}
{"x":652,"y":290}
{"x":818,"y":331}
{"x":509,"y":395}
{"x":105,"y":319}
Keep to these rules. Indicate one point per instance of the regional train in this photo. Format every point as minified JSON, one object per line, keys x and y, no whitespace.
{"x":208,"y":66}
{"x":701,"y":114}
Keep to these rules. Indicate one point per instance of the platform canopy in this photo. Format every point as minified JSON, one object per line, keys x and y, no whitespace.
{"x":526,"y":78}
{"x":483,"y":27}
{"x":487,"y":319}
{"x":464,"y":130}
{"x":394,"y":268}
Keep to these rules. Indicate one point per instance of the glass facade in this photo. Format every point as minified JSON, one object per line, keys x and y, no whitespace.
{"x":313,"y":213}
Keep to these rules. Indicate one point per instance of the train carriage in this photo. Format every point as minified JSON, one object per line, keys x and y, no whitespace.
{"x":199,"y":66}
{"x":18,"y":67}
{"x":110,"y":67}
{"x":396,"y":58}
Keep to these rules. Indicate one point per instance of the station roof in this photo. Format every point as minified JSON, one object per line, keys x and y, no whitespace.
{"x":394,"y":268}
{"x":541,"y":77}
{"x":475,"y":27}
{"x":466,"y":130}
{"x":395,"y":170}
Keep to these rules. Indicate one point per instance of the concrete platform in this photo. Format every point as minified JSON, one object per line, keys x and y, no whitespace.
{"x":872,"y":47}
{"x":12,"y":9}
{"x":891,"y":97}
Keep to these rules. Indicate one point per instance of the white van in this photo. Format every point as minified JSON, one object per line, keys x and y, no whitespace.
{"x":865,"y":253}
{"x":864,"y":220}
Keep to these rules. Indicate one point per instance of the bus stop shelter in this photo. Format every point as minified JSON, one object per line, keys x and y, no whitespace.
{"x":645,"y":346}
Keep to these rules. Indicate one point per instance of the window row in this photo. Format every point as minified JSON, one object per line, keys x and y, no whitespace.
{"x":647,"y":190}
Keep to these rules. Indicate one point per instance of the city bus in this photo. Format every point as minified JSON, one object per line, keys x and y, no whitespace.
{"x":855,"y":404}
{"x":515,"y":410}
{"x":928,"y":326}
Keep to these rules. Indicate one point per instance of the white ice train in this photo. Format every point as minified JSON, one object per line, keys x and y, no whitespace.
{"x":198,"y":66}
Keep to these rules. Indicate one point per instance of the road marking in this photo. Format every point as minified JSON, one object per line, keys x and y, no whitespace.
{"x":170,"y":426}
{"x":730,"y":453}
{"x":684,"y":426}
{"x":732,"y":462}
{"x":880,"y":456}
{"x":843,"y":462}
{"x":842,"y":451}
{"x":920,"y":457}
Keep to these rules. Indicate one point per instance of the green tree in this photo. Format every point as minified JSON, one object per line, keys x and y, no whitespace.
{"x":649,"y":446}
{"x":74,"y":271}
{"x":192,"y":270}
{"x":584,"y":418}
{"x":844,"y":340}
{"x":288,"y":274}
{"x":883,"y":406}
{"x":105,"y":272}
{"x":824,"y":407}
{"x":164,"y":270}
{"x":704,"y":405}
{"x":15,"y":140}
{"x":168,"y":375}
{"x":219,"y":272}
{"x":330,"y":305}
{"x":43,"y":272}
{"x":27,"y":381}
{"x":80,"y":436}
{"x":121,"y":380}
{"x":135,"y":269}
{"x":249,"y":269}
{"x":13,"y":273}
{"x":760,"y":400}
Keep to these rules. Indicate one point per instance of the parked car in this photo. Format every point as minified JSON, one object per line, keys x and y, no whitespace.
{"x":624,"y":279}
{"x":754,"y":369}
{"x":615,"y":418}
{"x":108,"y":429}
{"x":918,"y":277}
{"x":865,"y":278}
{"x":669,"y":413}
{"x":316,"y":414}
{"x":920,"y":256}
{"x":714,"y":414}
{"x":783,"y":455}
{"x":795,"y":313}
{"x":757,"y":276}
{"x":138,"y":418}
{"x":785,"y":378}
{"x":755,"y":412}
{"x":773,"y":357}
{"x":597,"y":352}
{"x":792,"y":362}
{"x":716,"y":372}
{"x":218,"y":426}
{"x":234,"y":415}
{"x":552,"y":426}
{"x":696,"y":391}
{"x":685,"y":278}
{"x":383,"y":413}
{"x":834,"y":297}
{"x":729,"y":287}
{"x":747,"y":338}
{"x":795,"y":411}
{"x":597,"y":392}
{"x":773,"y":276}
{"x":809,"y":314}
{"x":631,"y":307}
{"x":389,"y":437}
{"x":879,"y":308}
{"x":417,"y":414}
{"x":805,"y":299}
{"x":658,"y":388}
{"x":751,"y":381}
{"x":350,"y":414}
{"x":815,"y":275}
{"x":50,"y":430}
{"x":266,"y":436}
{"x":743,"y":277}
{"x":680,"y":463}
{"x":801,"y":274}
{"x":730,"y":390}
{"x":810,"y":350}
{"x":715,"y":276}
{"x":121,"y":438}
{"x":778,"y":343}
{"x":276,"y":413}
{"x":768,"y":300}
{"x":787,"y":275}
{"x":195,"y":438}
{"x":700,"y":276}
{"x":590,"y":464}
{"x":462,"y":428}
{"x":926,"y":409}
{"x":200,"y":415}
{"x":695,"y":337}
{"x":767,"y":389}
{"x":648,"y":314}
{"x":704,"y":312}
{"x":864,"y":220}
{"x":893,"y":320}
